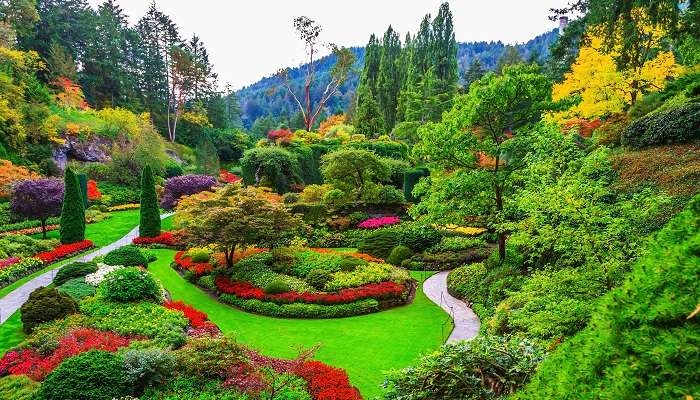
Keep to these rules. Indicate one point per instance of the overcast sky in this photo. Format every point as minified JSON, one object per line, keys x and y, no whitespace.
{"x":248,"y":40}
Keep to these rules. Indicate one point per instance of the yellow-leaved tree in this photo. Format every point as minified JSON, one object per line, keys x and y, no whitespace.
{"x":604,"y":89}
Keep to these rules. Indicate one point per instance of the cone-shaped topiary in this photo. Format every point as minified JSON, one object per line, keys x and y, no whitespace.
{"x":149,"y":225}
{"x":73,"y":212}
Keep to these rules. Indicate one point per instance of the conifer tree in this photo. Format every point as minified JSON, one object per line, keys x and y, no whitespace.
{"x":368,"y":118}
{"x":473,"y":73}
{"x":389,"y":78}
{"x":149,"y":223}
{"x":73,"y":213}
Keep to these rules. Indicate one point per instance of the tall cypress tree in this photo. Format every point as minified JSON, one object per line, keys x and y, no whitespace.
{"x":149,"y":223}
{"x":73,"y":213}
{"x":389,"y":78}
{"x":368,"y":118}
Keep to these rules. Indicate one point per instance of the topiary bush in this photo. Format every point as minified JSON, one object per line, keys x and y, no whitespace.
{"x":679,"y":124}
{"x":318,"y":278}
{"x":45,"y":304}
{"x":277,"y":287}
{"x":129,"y":256}
{"x":74,"y":270}
{"x":130,"y":284}
{"x":379,"y":243}
{"x":93,"y":375}
{"x":399,"y":254}
{"x":149,"y":222}
{"x":72,"y":228}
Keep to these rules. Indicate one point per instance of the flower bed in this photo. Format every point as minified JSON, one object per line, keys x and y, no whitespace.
{"x":164,"y":239}
{"x":123,"y":207}
{"x":199,"y":321}
{"x":376,"y":291}
{"x":326,"y":382}
{"x":18,"y":270}
{"x":30,"y":231}
{"x":361,"y":256}
{"x":185,"y":262}
{"x":63,"y":251}
{"x":378,"y":222}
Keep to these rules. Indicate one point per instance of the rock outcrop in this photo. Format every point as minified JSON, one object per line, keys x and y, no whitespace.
{"x":93,"y":149}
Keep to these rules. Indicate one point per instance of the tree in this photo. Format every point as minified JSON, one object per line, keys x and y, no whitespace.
{"x":37,"y":199}
{"x":473,"y":73}
{"x":17,"y":18}
{"x":73,"y":213}
{"x":368,"y":117}
{"x":235,"y":217}
{"x":354,"y":171}
{"x":388,"y":79}
{"x":311,"y":109}
{"x":478,"y":145}
{"x":149,"y":222}
{"x":61,"y":63}
{"x":510,"y":56}
{"x":207,"y":157}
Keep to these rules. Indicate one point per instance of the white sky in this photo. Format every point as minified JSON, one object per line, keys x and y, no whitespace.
{"x":248,"y":40}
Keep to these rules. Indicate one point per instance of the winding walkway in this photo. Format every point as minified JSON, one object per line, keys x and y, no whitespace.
{"x":14,"y":300}
{"x":465,"y":320}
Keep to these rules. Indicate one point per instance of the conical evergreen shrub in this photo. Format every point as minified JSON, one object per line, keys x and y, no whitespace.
{"x":73,"y":212}
{"x":149,"y":225}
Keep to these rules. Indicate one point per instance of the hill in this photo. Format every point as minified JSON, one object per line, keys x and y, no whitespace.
{"x":265,"y":98}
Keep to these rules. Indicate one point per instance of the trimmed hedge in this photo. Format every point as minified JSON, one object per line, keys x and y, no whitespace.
{"x":129,"y":256}
{"x":44,"y":305}
{"x":302,"y":310}
{"x":74,"y":270}
{"x":676,"y":125}
{"x":73,"y":213}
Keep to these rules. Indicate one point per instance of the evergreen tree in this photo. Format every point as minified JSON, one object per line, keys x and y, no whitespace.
{"x":60,"y":63}
{"x":149,"y":223}
{"x":207,"y":157}
{"x":444,"y":49}
{"x":474,"y":73}
{"x":73,"y":213}
{"x":370,"y":71}
{"x":368,"y":118}
{"x":510,"y":56}
{"x":389,"y":78}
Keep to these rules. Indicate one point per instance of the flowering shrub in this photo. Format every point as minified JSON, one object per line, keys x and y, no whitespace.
{"x":229,"y":177}
{"x":130,"y":284}
{"x":97,"y":277}
{"x":280,"y":136}
{"x":123,"y":207}
{"x":183,"y":186}
{"x":196,"y":317}
{"x":582,"y":126}
{"x":326,"y":382}
{"x":10,"y":174}
{"x":18,"y":270}
{"x":185,"y":262}
{"x":79,"y":340}
{"x":92,"y":191}
{"x":8,"y":261}
{"x":64,"y":251}
{"x":165,"y":238}
{"x":377,"y":291}
{"x":378,"y":222}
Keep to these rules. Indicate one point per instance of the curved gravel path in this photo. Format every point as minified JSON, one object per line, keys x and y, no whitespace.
{"x":14,"y":300}
{"x":466,"y":322}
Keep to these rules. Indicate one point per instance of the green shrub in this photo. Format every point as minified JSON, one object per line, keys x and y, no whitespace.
{"x":114,"y":195}
{"x":318,"y":278}
{"x":643,"y":340}
{"x":486,"y":367}
{"x":173,"y":169}
{"x":457,"y":243}
{"x":148,"y":367}
{"x":130,"y":284}
{"x":410,"y":179}
{"x":77,"y":288}
{"x":302,"y":310}
{"x":129,"y":256}
{"x":74,"y":270}
{"x":371,"y":273}
{"x":290,"y":198}
{"x":199,"y":255}
{"x":93,"y":375}
{"x":398,"y":254}
{"x":336,"y":199}
{"x":312,"y":213}
{"x":72,"y":228}
{"x":207,"y":282}
{"x":275,"y":167}
{"x":388,"y":195}
{"x":679,"y":124}
{"x":379,"y":243}
{"x":23,"y":246}
{"x":17,"y":387}
{"x":277,"y":287}
{"x":149,"y":222}
{"x":45,"y":304}
{"x":349,"y":264}
{"x":416,"y":236}
{"x":467,"y":282}
{"x":208,"y":357}
{"x":192,"y":388}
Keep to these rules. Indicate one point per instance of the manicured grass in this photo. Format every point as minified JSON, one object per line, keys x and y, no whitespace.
{"x":365,"y":346}
{"x":11,"y":333}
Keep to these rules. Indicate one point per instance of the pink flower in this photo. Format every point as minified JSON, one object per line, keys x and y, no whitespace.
{"x":378,"y":222}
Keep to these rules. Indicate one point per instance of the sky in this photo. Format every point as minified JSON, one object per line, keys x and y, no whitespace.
{"x":248,"y":40}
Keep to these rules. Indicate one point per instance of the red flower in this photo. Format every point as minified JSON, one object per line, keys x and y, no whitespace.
{"x":93,"y":191}
{"x":185,"y":262}
{"x":326,"y":382}
{"x":64,"y":251}
{"x":165,"y":238}
{"x":228,"y":177}
{"x":197,"y":318}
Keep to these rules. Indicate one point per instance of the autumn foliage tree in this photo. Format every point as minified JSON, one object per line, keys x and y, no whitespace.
{"x":234,"y":217}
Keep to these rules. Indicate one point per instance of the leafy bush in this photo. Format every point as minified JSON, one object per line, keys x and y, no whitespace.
{"x":24,"y":246}
{"x":318,"y":278}
{"x":486,"y":367}
{"x":379,"y":243}
{"x":130,"y":284}
{"x":302,"y":310}
{"x":199,"y":255}
{"x":456,"y":243}
{"x":208,"y":357}
{"x":148,"y":368}
{"x":466,"y":282}
{"x":17,"y":387}
{"x":679,"y":124}
{"x":290,"y":198}
{"x":74,"y":270}
{"x":77,"y":288}
{"x":312,"y":213}
{"x":173,"y":169}
{"x":274,"y":167}
{"x":45,"y":304}
{"x":644,"y":337}
{"x":184,"y":186}
{"x":93,"y":375}
{"x":371,"y":273}
{"x":127,"y":255}
{"x":276,"y":287}
{"x":398,"y":254}
{"x":190,"y":388}
{"x":349,"y":263}
{"x":114,"y":194}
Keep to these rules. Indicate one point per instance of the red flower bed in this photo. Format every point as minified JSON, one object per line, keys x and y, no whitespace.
{"x":228,"y":177}
{"x":377,"y":291}
{"x":198,"y":320}
{"x":165,"y":238}
{"x":79,"y":340}
{"x":93,"y":191}
{"x":326,"y":382}
{"x":185,"y":262}
{"x":64,"y":251}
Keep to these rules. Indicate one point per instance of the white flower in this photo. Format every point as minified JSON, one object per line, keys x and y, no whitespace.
{"x":97,"y":277}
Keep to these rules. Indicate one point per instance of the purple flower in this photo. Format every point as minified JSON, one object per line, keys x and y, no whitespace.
{"x":184,"y":186}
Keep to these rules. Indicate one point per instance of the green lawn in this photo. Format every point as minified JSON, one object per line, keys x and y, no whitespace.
{"x":365,"y":346}
{"x":11,"y":333}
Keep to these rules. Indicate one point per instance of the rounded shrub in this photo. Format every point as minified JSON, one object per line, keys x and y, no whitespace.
{"x":466,"y":282}
{"x":44,"y":305}
{"x":318,"y":278}
{"x":93,"y":375}
{"x":349,"y":264}
{"x":74,"y":270}
{"x":128,"y":256}
{"x":379,"y":243}
{"x":77,"y":288}
{"x":277,"y":286}
{"x":129,"y":284}
{"x":399,"y":254}
{"x":679,"y":124}
{"x":290,"y":198}
{"x":199,"y":256}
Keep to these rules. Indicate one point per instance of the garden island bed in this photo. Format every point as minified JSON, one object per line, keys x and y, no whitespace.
{"x":299,"y":282}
